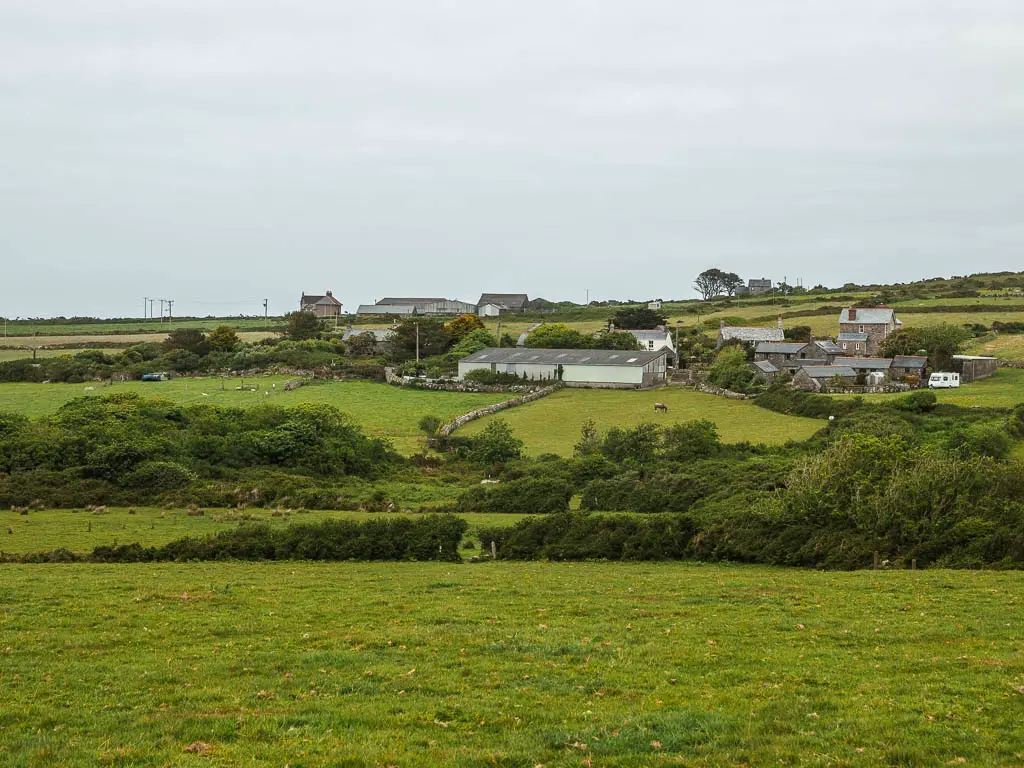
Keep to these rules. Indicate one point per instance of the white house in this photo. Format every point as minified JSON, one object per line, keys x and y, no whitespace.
{"x":655,"y":339}
{"x":489,"y":310}
{"x":598,"y":368}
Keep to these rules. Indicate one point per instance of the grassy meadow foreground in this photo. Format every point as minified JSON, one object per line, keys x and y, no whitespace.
{"x":426,"y":664}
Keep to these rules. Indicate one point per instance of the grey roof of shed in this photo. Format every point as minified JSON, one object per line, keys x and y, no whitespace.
{"x":386,"y":309}
{"x":779,"y":348}
{"x":514,"y":301}
{"x":973,"y":357}
{"x":531,"y":356}
{"x":828,"y":371}
{"x":909,"y":361}
{"x":750,"y":333}
{"x":765,"y":365}
{"x":392,"y":300}
{"x":852,"y":336}
{"x":877,"y":363}
{"x":828,"y":346}
{"x":869,"y":316}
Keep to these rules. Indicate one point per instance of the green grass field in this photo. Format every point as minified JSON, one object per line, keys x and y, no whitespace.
{"x":508,"y":664}
{"x":1004,"y":346}
{"x":382,"y":410}
{"x":552,"y":425}
{"x":20,"y":354}
{"x":81,"y":530}
{"x":1005,"y":389}
{"x":135,"y":325}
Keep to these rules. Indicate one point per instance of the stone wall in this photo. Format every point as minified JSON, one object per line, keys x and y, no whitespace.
{"x":452,"y":385}
{"x":711,"y":389}
{"x":479,"y":413}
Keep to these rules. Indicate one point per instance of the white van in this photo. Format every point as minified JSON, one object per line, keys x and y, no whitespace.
{"x":943,"y":380}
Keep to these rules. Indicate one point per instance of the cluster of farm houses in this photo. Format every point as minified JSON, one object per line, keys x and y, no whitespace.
{"x":847,"y":360}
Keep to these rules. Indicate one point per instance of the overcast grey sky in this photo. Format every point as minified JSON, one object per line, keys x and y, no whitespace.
{"x":221,"y":151}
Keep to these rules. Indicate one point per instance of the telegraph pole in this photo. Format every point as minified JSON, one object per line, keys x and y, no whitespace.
{"x":266,"y":318}
{"x":417,"y":341}
{"x":499,"y":331}
{"x":170,"y":306}
{"x":144,"y":300}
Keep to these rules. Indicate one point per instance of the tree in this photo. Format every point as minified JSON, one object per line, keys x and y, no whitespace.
{"x":798,"y":333}
{"x":300,"y":326}
{"x":433,"y":339}
{"x":638,"y":318}
{"x":223,"y":338}
{"x":463,"y":325}
{"x":709,"y":283}
{"x":617,"y":340}
{"x":590,"y":441}
{"x":558,"y":336}
{"x":430,"y":424}
{"x":939,"y":342}
{"x":495,"y":444}
{"x":472,"y":342}
{"x":690,"y":440}
{"x":361,"y":344}
{"x":189,"y":339}
{"x":730,"y":282}
{"x":730,"y":369}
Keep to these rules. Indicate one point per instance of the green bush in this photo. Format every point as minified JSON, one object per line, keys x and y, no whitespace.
{"x":530,"y":495}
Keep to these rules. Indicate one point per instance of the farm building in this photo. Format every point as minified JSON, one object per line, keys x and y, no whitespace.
{"x":764,"y":370}
{"x":974,"y":367}
{"x":321,"y":306}
{"x":599,"y":368}
{"x":853,"y":343}
{"x":508,"y":302}
{"x":489,"y":309}
{"x":748,"y":334}
{"x":816,"y":377}
{"x":656,"y":338}
{"x":403,"y":306}
{"x":908,"y":365}
{"x":874,"y":322}
{"x":380,"y":335}
{"x":865,"y":365}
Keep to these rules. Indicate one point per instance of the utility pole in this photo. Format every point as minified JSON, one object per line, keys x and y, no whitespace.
{"x":144,"y":300}
{"x":151,"y":308}
{"x":417,"y":341}
{"x":499,"y":331}
{"x":170,"y":306}
{"x":588,"y":296}
{"x":266,"y":317}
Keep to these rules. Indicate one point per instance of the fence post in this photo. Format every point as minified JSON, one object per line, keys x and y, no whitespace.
{"x":913,"y":564}
{"x":494,"y":551}
{"x":874,"y":566}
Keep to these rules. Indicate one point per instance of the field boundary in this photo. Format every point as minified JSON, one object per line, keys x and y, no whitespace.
{"x":447,"y":429}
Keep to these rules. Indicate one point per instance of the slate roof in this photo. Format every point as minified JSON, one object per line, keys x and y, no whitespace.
{"x":875,"y":363}
{"x":829,"y":347}
{"x":909,"y":361}
{"x":809,"y":362}
{"x":779,"y":348}
{"x":649,"y":335}
{"x":765,"y":366}
{"x":748,"y":333}
{"x":386,"y":309}
{"x":869,"y":316}
{"x":828,"y":371}
{"x":513,"y":301}
{"x":852,"y":336}
{"x":532,"y":356}
{"x":310,"y":299}
{"x":399,"y":300}
{"x":763,"y":282}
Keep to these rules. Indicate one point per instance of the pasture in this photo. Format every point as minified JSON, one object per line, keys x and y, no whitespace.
{"x":552,"y":425}
{"x":79,"y":341}
{"x":508,"y":664}
{"x":1004,"y":346}
{"x":382,"y":410}
{"x":1005,"y":389}
{"x":134,"y":326}
{"x":24,"y":352}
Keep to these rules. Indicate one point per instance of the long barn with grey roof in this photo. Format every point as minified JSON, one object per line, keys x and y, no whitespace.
{"x":601,"y":368}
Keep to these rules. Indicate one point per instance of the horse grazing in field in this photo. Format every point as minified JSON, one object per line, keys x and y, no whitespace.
{"x":660,"y":407}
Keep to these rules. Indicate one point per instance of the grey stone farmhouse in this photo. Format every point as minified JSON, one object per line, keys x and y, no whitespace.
{"x":862,"y":330}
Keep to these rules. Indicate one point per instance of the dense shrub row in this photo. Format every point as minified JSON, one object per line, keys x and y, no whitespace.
{"x":431,"y":537}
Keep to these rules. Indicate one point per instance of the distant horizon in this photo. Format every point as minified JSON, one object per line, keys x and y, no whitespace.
{"x":350,"y":313}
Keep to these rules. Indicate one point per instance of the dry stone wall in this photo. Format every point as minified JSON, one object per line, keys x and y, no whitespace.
{"x":465,"y":418}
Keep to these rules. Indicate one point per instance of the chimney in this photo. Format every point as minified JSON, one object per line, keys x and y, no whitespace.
{"x":329,"y":293}
{"x":780,"y":319}
{"x":852,"y":312}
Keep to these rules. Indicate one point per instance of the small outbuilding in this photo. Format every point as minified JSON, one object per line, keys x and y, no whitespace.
{"x":974,"y":367}
{"x":814,"y":378}
{"x":598,"y":368}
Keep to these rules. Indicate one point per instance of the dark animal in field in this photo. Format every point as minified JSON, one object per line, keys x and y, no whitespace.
{"x":660,"y":407}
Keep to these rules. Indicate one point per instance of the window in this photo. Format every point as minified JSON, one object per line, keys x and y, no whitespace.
{"x":844,"y":345}
{"x":650,"y":344}
{"x":861,"y":329}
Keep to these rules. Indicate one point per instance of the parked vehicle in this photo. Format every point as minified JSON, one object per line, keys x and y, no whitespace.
{"x":160,"y":376}
{"x":944,"y":380}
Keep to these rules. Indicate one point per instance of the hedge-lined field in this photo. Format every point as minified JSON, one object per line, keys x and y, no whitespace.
{"x":508,"y":664}
{"x":552,"y":425}
{"x":382,"y":410}
{"x":81,"y":530}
